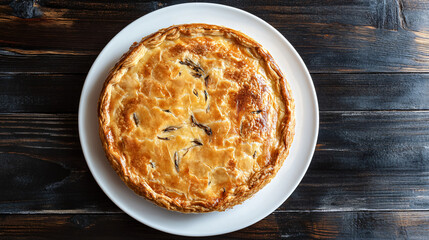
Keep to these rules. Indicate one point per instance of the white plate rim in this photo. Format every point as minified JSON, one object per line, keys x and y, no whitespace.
{"x":311,"y":99}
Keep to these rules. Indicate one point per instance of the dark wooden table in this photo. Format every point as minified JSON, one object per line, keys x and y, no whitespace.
{"x":369,"y":177}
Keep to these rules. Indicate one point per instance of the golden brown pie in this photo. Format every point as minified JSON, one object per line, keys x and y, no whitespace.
{"x":196,"y":117}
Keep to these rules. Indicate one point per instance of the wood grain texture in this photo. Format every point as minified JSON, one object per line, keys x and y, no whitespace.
{"x":60,"y":93}
{"x":332,"y":36}
{"x":349,"y":92}
{"x":41,"y":93}
{"x":42,"y":166}
{"x":363,"y":161}
{"x":354,"y":225}
{"x":45,"y":63}
{"x":311,"y":225}
{"x":108,"y":226}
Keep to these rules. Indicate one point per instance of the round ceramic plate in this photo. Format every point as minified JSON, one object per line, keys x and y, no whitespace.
{"x":266,"y":200}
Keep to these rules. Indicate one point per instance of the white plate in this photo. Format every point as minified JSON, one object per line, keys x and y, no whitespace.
{"x":266,"y":200}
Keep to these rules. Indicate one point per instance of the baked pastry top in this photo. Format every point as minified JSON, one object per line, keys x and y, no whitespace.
{"x":196,"y":117}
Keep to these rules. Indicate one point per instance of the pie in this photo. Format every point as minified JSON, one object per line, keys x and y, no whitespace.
{"x":196,"y":118}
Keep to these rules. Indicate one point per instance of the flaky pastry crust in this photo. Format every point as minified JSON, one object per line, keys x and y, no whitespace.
{"x":196,"y":117}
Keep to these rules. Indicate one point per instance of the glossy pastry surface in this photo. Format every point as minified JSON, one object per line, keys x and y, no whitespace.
{"x":196,"y":118}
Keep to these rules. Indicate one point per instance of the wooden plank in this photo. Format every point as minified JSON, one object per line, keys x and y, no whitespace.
{"x":293,"y":225}
{"x":41,"y":93}
{"x":364,"y":161}
{"x":42,"y":166}
{"x":354,"y":225}
{"x":45,"y":63}
{"x":348,"y":92}
{"x":60,"y":93}
{"x":333,"y":36}
{"x":107,"y":226}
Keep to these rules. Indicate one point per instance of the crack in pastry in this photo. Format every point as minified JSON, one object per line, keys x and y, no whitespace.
{"x":206,"y":95}
{"x":206,"y":99}
{"x":177,"y":157}
{"x":196,"y":118}
{"x":206,"y":128}
{"x":206,"y":80}
{"x":152,"y":164}
{"x":195,"y":92}
{"x":197,"y":142}
{"x":197,"y":70}
{"x":171,"y":128}
{"x":176,"y":161}
{"x":136,"y":119}
{"x":163,"y":138}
